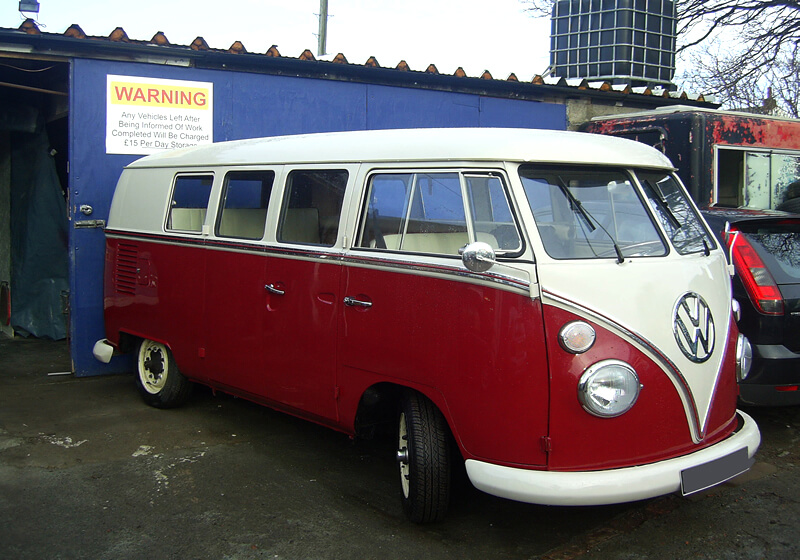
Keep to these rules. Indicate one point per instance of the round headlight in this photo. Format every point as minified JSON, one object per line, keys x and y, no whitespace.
{"x":608,"y":388}
{"x":576,"y":337}
{"x":744,"y":357}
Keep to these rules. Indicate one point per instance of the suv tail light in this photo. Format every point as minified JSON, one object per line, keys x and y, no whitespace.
{"x":757,"y":280}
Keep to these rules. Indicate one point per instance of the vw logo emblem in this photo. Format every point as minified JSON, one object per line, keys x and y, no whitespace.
{"x":693,"y":326}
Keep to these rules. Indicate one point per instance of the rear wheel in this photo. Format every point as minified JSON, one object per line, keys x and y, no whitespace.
{"x":423,"y":456}
{"x":158,"y":379}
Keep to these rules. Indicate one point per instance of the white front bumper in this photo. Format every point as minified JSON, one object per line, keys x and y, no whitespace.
{"x":103,"y":351}
{"x":608,"y":486}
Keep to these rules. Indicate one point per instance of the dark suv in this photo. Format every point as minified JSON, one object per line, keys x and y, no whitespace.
{"x":765,"y":246}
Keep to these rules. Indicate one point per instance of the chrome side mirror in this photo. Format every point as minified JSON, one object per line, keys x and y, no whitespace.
{"x":478,"y":256}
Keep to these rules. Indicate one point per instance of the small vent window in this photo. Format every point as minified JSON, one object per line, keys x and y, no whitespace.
{"x":189,"y":202}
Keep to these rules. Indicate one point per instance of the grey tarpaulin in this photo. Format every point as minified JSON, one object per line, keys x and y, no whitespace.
{"x":39,"y":244}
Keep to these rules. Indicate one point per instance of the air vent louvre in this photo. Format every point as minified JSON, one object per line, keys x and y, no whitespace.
{"x":126,"y":270}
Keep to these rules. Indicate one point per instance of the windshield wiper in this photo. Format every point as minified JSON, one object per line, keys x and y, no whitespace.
{"x":662,"y":203}
{"x":576,"y":206}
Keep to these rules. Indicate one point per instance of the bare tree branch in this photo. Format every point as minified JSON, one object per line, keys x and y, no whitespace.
{"x":772,"y":88}
{"x":539,"y":8}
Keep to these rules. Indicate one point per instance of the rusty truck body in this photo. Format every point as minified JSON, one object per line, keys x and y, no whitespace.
{"x":723,"y":157}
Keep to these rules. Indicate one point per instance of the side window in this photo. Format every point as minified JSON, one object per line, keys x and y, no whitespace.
{"x":426,"y":213}
{"x":387,"y":208}
{"x":245,"y":198}
{"x":187,"y":210}
{"x":312,"y":206}
{"x":493,"y":220}
{"x":437,"y":204}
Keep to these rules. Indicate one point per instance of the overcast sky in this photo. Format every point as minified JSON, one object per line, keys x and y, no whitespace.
{"x":477,"y":35}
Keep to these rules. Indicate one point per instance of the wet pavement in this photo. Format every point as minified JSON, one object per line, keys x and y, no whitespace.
{"x":87,"y":470}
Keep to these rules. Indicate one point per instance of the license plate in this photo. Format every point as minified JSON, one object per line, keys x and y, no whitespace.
{"x":700,"y":477}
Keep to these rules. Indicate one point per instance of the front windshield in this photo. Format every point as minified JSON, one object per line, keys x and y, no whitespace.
{"x":586,"y":213}
{"x":676,"y":214}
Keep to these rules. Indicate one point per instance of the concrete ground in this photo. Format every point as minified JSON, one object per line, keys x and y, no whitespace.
{"x":88,"y":471}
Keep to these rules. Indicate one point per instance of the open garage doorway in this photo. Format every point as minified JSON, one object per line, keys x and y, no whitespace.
{"x":34,"y":255}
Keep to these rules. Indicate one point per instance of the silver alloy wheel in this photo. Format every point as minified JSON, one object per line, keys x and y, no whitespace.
{"x":402,"y":455}
{"x":153,"y":366}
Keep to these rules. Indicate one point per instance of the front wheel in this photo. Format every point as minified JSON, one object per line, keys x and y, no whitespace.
{"x":423,"y":456}
{"x":158,"y":379}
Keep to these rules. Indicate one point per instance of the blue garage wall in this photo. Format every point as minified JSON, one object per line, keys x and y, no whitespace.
{"x":252,"y":105}
{"x":513,"y":113}
{"x":390,"y":107}
{"x":245,"y":106}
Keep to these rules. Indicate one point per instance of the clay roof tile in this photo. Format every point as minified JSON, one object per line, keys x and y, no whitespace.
{"x":119,"y":36}
{"x":160,"y":39}
{"x":199,"y":44}
{"x":237,"y":48}
{"x":75,"y":32}
{"x":29,"y":26}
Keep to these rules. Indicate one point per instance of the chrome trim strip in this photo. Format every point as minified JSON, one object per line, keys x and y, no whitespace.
{"x":396,"y":261}
{"x":236,"y":246}
{"x":667,"y":366}
{"x":383,"y":262}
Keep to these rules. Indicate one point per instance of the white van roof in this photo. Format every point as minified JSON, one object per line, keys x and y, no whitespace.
{"x":418,"y":144}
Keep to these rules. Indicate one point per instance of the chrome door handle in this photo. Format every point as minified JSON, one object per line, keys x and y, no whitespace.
{"x":273,"y":290}
{"x":352,"y":302}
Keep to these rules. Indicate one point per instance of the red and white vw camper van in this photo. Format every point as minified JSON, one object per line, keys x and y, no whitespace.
{"x":549,"y":302}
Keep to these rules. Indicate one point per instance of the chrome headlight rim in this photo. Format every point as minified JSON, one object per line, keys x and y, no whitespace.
{"x":591,"y":375}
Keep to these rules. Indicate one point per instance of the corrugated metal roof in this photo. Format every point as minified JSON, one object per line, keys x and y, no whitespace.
{"x":118,"y":36}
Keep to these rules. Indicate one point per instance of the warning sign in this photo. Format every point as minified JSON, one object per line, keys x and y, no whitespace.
{"x":148,"y":115}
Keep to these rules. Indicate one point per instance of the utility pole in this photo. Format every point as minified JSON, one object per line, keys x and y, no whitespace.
{"x":323,"y":27}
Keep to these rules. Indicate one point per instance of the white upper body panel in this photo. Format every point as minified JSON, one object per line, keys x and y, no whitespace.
{"x":421,"y":144}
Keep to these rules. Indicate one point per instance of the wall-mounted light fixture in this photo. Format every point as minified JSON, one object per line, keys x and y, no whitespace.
{"x":29,"y":6}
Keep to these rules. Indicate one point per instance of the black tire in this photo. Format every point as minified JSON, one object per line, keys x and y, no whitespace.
{"x":423,"y":456}
{"x":791,"y":205}
{"x":158,"y":378}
